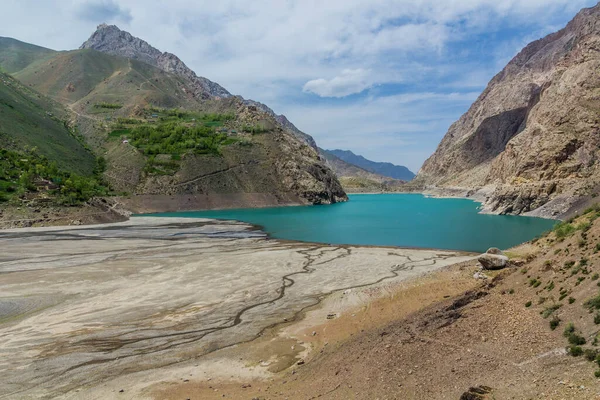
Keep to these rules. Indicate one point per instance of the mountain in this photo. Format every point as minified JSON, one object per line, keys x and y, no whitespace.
{"x":358,"y":180}
{"x":381,"y":168}
{"x":172,"y":140}
{"x":111,"y":40}
{"x":531,"y":140}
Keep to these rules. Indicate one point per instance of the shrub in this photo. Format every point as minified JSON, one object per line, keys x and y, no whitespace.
{"x":595,"y":277}
{"x":570,"y":328}
{"x":528,"y":304}
{"x":593,"y":303}
{"x":590,"y":354}
{"x":110,"y":106}
{"x":550,"y":310}
{"x":597,"y":319}
{"x":597,"y":373}
{"x":571,"y":300}
{"x":576,"y":339}
{"x":575,"y":351}
{"x":554,"y":322}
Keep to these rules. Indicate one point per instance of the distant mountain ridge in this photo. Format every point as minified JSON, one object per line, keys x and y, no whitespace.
{"x":355,"y":179}
{"x":381,"y":168}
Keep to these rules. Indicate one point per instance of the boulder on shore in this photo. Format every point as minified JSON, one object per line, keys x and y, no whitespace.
{"x":494,"y":250}
{"x":493,"y":261}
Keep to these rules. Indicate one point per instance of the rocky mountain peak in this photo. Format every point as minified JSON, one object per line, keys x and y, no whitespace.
{"x":110,"y":39}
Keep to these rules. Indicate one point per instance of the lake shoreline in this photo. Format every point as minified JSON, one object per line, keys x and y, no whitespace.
{"x":393,"y":219}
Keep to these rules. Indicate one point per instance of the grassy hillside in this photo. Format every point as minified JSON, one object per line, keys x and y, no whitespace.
{"x":16,"y":55}
{"x":88,"y":78}
{"x":29,"y":120}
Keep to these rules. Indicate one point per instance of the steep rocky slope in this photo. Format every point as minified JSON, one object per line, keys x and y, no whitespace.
{"x":380,"y":168}
{"x":355,"y":179}
{"x":531,"y":139}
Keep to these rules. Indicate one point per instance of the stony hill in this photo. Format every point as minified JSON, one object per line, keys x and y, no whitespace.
{"x":531,"y":139}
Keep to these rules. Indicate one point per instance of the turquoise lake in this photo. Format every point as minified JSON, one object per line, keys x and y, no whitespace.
{"x":404,"y":220}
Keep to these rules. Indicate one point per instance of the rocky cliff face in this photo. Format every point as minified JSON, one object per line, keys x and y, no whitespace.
{"x":531,"y":139}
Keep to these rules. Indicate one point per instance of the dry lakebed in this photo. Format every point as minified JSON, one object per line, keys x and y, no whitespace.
{"x":122,"y":310}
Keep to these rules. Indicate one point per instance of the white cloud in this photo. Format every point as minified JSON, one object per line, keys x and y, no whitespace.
{"x":350,"y":81}
{"x":270,"y":50}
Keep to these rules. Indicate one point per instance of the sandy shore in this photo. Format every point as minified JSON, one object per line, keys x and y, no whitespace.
{"x":86,"y":312}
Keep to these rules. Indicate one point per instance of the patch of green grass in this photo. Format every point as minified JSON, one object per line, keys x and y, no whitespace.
{"x":564,"y":229}
{"x":117,"y":133}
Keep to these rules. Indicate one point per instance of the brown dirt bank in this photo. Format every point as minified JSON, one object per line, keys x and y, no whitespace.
{"x":140,"y":204}
{"x":96,"y":212}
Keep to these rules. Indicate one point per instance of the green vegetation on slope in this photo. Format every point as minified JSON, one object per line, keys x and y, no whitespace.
{"x":31,"y":177}
{"x":29,"y":120}
{"x":16,"y":55}
{"x":176,"y":138}
{"x":168,"y":134}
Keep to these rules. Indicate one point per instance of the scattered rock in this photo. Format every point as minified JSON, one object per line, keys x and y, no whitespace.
{"x":479,"y":275}
{"x":493,"y":261}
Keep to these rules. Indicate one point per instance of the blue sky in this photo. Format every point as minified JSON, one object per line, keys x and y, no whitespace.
{"x":383,"y":78}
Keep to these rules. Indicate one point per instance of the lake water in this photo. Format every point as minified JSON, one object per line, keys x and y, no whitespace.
{"x":404,"y":220}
